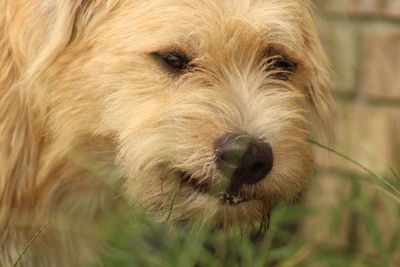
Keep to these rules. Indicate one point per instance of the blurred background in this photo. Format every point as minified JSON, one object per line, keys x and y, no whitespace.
{"x":349,"y":216}
{"x":362,"y":39}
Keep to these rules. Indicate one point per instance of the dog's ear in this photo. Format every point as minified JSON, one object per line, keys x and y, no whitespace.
{"x":35,"y":34}
{"x":320,"y":85}
{"x":61,"y":21}
{"x":19,"y":145}
{"x":19,"y":138}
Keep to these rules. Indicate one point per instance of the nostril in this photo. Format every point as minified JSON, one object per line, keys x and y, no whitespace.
{"x":243,"y":159}
{"x":256,"y":173}
{"x":257,"y":167}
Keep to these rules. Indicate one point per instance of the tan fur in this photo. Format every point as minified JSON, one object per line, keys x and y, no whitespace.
{"x":84,"y":107}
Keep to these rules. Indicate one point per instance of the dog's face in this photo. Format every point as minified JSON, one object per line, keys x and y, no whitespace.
{"x":209,"y":103}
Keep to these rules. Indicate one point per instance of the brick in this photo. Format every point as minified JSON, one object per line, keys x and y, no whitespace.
{"x":377,"y":8}
{"x":381,"y":63}
{"x":395,"y":137}
{"x":392,"y":9}
{"x":366,"y":134}
{"x":365,"y":7}
{"x":353,"y":7}
{"x":340,"y":40}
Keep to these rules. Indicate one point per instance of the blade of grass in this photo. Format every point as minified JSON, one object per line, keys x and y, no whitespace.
{"x":30,"y":243}
{"x":386,"y":182}
{"x":394,"y":173}
{"x":386,"y":192}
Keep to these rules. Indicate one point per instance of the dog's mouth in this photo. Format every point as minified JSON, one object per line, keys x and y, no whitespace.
{"x":226,"y":197}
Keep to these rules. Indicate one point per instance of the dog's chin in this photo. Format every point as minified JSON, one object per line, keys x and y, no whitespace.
{"x":196,"y":199}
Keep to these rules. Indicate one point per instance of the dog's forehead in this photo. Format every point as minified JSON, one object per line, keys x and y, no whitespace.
{"x":202,"y":21}
{"x":263,"y":15}
{"x":278,"y":21}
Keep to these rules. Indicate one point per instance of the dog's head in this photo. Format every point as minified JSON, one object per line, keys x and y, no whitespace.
{"x":209,"y":103}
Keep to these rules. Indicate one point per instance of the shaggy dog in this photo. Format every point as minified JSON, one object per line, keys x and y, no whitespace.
{"x":191,"y":109}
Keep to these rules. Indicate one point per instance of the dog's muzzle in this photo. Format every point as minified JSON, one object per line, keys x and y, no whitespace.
{"x":243,"y":159}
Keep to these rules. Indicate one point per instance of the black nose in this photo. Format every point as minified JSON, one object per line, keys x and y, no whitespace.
{"x":243,"y":159}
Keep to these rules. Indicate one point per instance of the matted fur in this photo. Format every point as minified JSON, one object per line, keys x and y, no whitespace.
{"x":85,"y":107}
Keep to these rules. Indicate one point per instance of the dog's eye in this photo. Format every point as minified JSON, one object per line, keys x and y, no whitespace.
{"x":278,"y":64}
{"x":174,"y":61}
{"x":282,"y":64}
{"x":280,"y":67}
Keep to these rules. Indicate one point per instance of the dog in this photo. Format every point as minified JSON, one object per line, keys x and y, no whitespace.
{"x":191,"y":110}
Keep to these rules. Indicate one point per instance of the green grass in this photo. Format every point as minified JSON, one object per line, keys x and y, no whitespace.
{"x":139,"y":242}
{"x":361,"y":228}
{"x":41,"y":230}
{"x":353,"y":232}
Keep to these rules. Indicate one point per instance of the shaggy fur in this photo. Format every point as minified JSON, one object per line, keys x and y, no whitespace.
{"x":88,"y":112}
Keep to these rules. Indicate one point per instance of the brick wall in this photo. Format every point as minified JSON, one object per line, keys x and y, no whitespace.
{"x":362,"y":38}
